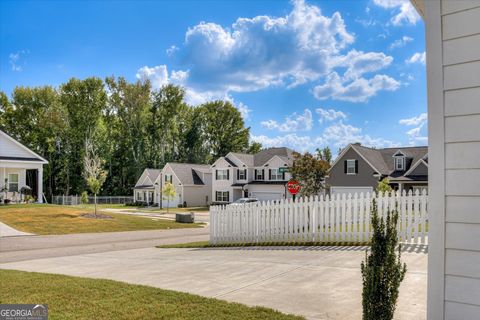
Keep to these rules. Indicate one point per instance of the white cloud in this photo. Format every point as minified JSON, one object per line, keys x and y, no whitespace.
{"x":294,"y":122}
{"x":399,"y":43}
{"x":358,"y":90}
{"x":291,"y":140}
{"x":404,"y":11}
{"x":414,"y":121}
{"x":157,"y":75}
{"x":171,"y":50}
{"x":359,"y":63}
{"x":418,"y":57}
{"x":15,"y":60}
{"x":329,"y":115}
{"x":415,"y":134}
{"x":337,"y":135}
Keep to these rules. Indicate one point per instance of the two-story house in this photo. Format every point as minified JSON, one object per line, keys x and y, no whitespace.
{"x":192,"y":182}
{"x":359,"y":169}
{"x":262,"y":175}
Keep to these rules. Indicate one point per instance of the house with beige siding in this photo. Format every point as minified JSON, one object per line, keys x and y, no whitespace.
{"x":453,"y":77}
{"x":192,"y":182}
{"x":262,"y":175}
{"x":20,"y":168}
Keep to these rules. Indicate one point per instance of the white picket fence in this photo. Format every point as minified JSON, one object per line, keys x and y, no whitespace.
{"x":341,"y":218}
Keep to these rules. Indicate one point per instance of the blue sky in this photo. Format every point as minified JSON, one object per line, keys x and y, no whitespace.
{"x":304,"y":74}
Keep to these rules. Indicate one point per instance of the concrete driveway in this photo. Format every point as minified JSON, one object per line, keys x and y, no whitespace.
{"x":319,"y":283}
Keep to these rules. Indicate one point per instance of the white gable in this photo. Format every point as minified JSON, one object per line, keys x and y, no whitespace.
{"x":9,"y":147}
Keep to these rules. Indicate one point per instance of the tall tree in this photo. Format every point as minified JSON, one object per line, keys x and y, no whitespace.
{"x":223,"y":129}
{"x":254,"y":147}
{"x":310,"y":172}
{"x":84,"y":101}
{"x":325,"y":154}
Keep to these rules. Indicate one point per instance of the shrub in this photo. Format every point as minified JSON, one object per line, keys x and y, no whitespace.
{"x":180,"y":205}
{"x":84,"y":197}
{"x":382,"y":271}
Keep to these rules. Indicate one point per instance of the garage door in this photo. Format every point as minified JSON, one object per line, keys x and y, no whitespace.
{"x":172,"y":203}
{"x":265,"y":196}
{"x":347,"y":190}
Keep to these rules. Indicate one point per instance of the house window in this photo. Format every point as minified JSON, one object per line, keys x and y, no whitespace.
{"x":351,"y":167}
{"x":399,"y":163}
{"x":13,"y":182}
{"x":139,"y":196}
{"x":222,"y":175}
{"x":242,"y":174}
{"x":259,"y":174}
{"x":222,"y":196}
{"x":275,"y":174}
{"x":169,"y":178}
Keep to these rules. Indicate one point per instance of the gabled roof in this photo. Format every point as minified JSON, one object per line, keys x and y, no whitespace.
{"x":262,"y":157}
{"x":153,"y":174}
{"x":381,"y":160}
{"x":188,"y":173}
{"x":23,"y":154}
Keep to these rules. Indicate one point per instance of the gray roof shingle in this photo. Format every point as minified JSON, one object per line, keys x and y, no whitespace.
{"x":188,"y":173}
{"x":260,"y":158}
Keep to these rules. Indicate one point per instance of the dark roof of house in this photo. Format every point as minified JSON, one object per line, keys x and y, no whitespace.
{"x":267,"y":182}
{"x":260,"y":158}
{"x":230,"y":162}
{"x":188,"y":173}
{"x":144,"y":186}
{"x":20,"y":158}
{"x":382,"y":159}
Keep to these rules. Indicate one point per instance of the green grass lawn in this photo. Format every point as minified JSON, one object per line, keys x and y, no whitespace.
{"x":179,"y":210}
{"x":82,"y":298}
{"x":55,"y":219}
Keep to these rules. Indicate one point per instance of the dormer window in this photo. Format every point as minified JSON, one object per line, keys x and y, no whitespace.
{"x":399,"y":163}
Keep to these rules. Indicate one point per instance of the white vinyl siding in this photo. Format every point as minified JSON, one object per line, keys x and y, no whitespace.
{"x":453,"y":68}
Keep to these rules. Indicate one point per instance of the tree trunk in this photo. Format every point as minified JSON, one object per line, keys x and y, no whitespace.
{"x":95,"y":197}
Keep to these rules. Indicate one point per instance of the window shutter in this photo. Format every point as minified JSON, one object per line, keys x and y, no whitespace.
{"x":238,"y":174}
{"x":345,"y":166}
{"x":263,"y":174}
{"x":255,"y":178}
{"x":356,"y":166}
{"x":283,"y":175}
{"x":171,"y":179}
{"x":228,"y":174}
{"x":216,"y":174}
{"x":269,"y":174}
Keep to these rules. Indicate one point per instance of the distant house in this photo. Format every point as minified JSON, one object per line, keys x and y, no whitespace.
{"x":261,"y":175}
{"x":20,"y":168}
{"x":359,"y":168}
{"x":193,"y":183}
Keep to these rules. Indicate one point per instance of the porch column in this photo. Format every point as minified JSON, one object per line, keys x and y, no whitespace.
{"x":148,"y":196}
{"x":40,"y":185}
{"x":400,"y":187}
{"x":134,"y":195}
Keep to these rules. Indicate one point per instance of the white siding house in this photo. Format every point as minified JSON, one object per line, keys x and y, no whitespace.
{"x":453,"y":74}
{"x":192,"y":182}
{"x":15,"y":160}
{"x":239,"y":175}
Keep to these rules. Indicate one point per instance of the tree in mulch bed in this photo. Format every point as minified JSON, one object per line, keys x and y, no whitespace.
{"x":382,"y":270}
{"x":94,"y":172}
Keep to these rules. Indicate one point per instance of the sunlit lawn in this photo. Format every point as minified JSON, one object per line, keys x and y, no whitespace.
{"x":55,"y":219}
{"x":83,"y":298}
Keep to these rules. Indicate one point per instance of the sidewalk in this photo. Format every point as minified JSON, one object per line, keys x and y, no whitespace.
{"x":7,"y":231}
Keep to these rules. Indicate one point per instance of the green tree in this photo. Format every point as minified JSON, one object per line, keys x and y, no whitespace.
{"x":223,"y":129}
{"x":94,"y":173}
{"x":382,"y":270}
{"x":168,"y":193}
{"x":84,"y":101}
{"x":384,"y":186}
{"x":254,"y":147}
{"x":325,"y":154}
{"x":310,"y":172}
{"x":84,"y":198}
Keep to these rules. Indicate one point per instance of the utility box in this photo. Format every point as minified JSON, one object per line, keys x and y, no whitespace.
{"x":185,"y":217}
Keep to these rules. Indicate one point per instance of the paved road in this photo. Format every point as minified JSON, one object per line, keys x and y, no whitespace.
{"x":319,"y":283}
{"x":37,"y":247}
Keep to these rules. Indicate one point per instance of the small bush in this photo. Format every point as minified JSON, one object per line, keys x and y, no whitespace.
{"x":84,"y":197}
{"x":382,"y":270}
{"x":135,"y":204}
